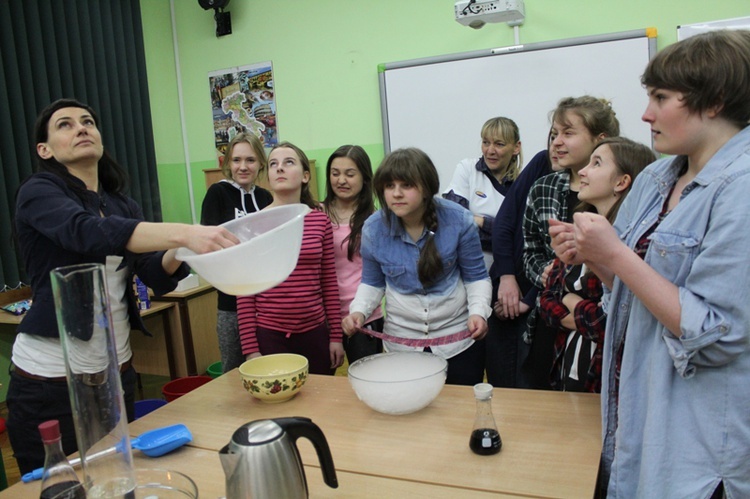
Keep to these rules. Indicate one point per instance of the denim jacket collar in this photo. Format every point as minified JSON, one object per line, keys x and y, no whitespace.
{"x":726,"y":156}
{"x":397,"y":231}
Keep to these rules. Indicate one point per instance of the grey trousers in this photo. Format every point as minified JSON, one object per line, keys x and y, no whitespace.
{"x":228,"y":332}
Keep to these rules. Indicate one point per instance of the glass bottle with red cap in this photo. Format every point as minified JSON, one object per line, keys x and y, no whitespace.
{"x":59,"y":479}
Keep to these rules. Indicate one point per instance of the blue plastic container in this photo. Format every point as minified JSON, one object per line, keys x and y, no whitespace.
{"x":143,"y":407}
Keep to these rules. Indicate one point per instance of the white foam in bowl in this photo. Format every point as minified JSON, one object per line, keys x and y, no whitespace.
{"x":398,"y":382}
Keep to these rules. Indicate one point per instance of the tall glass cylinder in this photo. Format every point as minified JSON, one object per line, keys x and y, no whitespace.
{"x":93,"y":372}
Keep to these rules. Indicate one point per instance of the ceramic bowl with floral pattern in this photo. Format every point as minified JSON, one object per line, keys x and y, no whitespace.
{"x":274,"y":378}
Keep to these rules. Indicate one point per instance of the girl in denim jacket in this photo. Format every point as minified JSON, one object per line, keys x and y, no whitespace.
{"x":676,"y":262}
{"x":423,"y":254}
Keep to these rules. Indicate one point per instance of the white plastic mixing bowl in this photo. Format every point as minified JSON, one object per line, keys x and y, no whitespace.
{"x":398,"y":382}
{"x":267,"y":254}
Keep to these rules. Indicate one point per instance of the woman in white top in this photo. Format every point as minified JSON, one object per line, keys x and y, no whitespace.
{"x":480,"y":185}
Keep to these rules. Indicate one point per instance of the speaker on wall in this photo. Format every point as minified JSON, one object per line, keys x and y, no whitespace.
{"x":213,"y":4}
{"x":223,"y":19}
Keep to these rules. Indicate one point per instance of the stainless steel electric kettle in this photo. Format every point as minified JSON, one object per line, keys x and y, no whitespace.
{"x":262,"y":460}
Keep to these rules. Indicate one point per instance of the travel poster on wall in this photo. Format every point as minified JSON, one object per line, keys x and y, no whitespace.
{"x":242,"y":100}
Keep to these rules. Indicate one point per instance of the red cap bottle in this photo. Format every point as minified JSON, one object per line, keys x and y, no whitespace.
{"x":59,"y":479}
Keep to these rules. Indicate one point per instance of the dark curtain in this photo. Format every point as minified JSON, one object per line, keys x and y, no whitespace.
{"x":90,"y":50}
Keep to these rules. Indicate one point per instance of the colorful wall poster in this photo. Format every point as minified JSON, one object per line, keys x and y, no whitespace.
{"x":243,"y":100}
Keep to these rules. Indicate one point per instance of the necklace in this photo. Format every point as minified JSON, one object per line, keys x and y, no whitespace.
{"x":338,"y":218}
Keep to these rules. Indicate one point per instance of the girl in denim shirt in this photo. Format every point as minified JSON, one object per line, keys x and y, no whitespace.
{"x":423,"y":254}
{"x":677,"y":266}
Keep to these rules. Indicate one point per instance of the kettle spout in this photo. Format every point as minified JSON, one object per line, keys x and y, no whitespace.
{"x":229,"y":461}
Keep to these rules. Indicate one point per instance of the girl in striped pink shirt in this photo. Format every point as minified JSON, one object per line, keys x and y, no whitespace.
{"x":301,"y":315}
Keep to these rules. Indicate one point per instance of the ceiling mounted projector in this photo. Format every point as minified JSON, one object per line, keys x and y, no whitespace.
{"x":476,"y":13}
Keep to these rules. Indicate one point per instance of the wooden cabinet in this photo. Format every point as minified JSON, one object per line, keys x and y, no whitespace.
{"x":195,"y":342}
{"x":213,"y":175}
{"x":156,"y":354}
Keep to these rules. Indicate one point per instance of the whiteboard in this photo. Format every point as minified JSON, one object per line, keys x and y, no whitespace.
{"x":688,"y":30}
{"x":440,"y":104}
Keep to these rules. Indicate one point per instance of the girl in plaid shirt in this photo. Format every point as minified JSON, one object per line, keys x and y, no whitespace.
{"x":578,"y":125}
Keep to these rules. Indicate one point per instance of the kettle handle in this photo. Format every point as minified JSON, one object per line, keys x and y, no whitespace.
{"x":297,"y":427}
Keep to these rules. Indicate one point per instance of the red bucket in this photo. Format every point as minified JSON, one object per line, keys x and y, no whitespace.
{"x":180,"y":386}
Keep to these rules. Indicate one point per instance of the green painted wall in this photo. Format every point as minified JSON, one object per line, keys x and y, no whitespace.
{"x":325,"y":55}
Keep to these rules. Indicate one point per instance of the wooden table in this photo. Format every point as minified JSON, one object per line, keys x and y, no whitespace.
{"x":551,"y":442}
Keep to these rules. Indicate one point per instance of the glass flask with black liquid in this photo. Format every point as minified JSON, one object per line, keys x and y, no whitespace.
{"x":59,"y":479}
{"x":485,"y":439}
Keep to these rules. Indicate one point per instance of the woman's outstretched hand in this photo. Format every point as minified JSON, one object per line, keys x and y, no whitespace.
{"x":207,"y":238}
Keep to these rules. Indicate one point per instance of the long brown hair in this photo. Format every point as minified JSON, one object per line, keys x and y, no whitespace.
{"x":305,"y":196}
{"x":413,"y":166}
{"x":112,"y":177}
{"x":365,"y":204}
{"x":630,"y":159}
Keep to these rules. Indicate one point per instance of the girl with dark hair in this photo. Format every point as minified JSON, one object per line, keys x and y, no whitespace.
{"x":571,"y":302}
{"x":423,"y":253}
{"x":234,"y":197}
{"x":301,"y":315}
{"x":348,"y":203}
{"x":73,"y":211}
